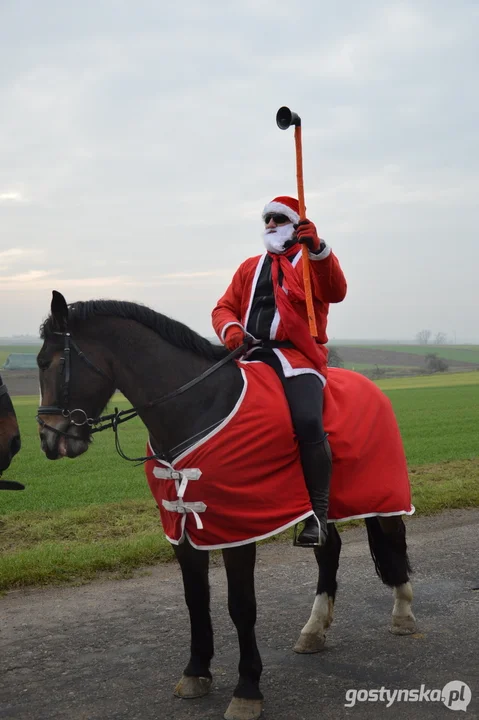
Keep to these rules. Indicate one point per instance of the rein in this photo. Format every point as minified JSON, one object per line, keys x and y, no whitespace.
{"x":111,"y":421}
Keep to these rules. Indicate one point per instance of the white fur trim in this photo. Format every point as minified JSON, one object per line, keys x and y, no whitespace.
{"x":276,"y":207}
{"x":320,"y":256}
{"x":259,"y":267}
{"x":223,"y":332}
{"x":275,"y":323}
{"x":297,"y":258}
{"x":290,"y":371}
{"x":277,"y":318}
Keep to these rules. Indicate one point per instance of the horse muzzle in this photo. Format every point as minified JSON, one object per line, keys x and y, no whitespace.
{"x":60,"y":438}
{"x":9,"y":452}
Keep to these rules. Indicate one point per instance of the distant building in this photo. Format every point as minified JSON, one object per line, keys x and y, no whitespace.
{"x":21,"y":361}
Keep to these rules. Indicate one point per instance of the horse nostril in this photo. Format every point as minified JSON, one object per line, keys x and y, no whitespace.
{"x":15,"y":445}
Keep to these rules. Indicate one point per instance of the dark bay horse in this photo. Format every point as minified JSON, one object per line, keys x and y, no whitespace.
{"x":9,"y":436}
{"x":92,"y":348}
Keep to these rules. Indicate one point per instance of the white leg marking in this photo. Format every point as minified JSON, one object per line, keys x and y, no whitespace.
{"x":312,"y":636}
{"x":321,"y":615}
{"x":404,"y":622}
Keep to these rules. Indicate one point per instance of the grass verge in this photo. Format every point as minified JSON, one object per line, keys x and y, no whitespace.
{"x":81,"y":518}
{"x":74,"y":545}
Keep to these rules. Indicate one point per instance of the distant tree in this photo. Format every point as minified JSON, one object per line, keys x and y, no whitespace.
{"x":334,"y":358}
{"x":378,"y":372}
{"x":440,"y":338}
{"x":423,"y":337}
{"x":434,"y":363}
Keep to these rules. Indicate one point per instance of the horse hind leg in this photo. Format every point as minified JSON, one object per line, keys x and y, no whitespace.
{"x":313,"y":634}
{"x":387,"y":542}
{"x":196,"y":679}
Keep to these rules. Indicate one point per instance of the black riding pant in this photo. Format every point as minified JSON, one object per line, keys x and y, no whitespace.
{"x":304,"y":394}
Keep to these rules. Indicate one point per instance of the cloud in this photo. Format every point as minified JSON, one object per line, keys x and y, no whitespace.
{"x":11,"y":196}
{"x":45,"y":279}
{"x":190,"y":275}
{"x":138,"y":150}
{"x":48,"y":279}
{"x":391,"y":185}
{"x":31,"y":278}
{"x":14,"y":253}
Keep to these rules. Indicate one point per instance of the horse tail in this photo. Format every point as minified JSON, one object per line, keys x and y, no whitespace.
{"x":389,"y":549}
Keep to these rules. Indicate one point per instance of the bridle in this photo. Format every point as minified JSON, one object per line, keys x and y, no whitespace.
{"x":79,"y":417}
{"x":65,"y":372}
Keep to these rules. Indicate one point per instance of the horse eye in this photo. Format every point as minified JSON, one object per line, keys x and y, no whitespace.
{"x":43,"y":364}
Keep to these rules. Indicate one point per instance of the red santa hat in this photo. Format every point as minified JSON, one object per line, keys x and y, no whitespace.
{"x":285,"y":206}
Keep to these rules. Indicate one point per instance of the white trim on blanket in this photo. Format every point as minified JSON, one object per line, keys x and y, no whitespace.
{"x":374,"y":514}
{"x":220,"y":546}
{"x":208,"y":437}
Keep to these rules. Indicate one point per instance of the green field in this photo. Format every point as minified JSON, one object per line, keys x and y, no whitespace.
{"x":95,"y":513}
{"x":463,"y":353}
{"x":404,"y":360}
{"x":360,"y":367}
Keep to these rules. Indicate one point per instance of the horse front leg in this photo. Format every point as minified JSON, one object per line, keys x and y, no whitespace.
{"x":247,"y":702}
{"x":196,"y":679}
{"x":387,"y":542}
{"x":313,"y":635}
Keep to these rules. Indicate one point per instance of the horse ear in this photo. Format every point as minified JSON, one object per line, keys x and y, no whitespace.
{"x":59,"y":310}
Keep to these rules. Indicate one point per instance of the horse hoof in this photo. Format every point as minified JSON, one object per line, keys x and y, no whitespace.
{"x":191,"y":687}
{"x":310,"y":643}
{"x":243,"y":709}
{"x":405,"y":625}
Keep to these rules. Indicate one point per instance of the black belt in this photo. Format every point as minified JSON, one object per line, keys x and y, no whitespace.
{"x":275,"y":344}
{"x":280,"y":344}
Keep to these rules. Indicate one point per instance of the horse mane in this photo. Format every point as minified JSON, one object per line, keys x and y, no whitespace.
{"x":173,"y":331}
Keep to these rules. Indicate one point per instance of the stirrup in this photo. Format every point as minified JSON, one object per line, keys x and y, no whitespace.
{"x":309,"y":544}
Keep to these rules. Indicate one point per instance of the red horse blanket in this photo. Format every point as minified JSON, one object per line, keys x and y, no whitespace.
{"x":244,"y":481}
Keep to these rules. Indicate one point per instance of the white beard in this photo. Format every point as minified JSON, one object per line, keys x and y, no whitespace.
{"x":274,"y":240}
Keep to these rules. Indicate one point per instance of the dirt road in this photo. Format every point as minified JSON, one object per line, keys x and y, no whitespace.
{"x":116,"y":649}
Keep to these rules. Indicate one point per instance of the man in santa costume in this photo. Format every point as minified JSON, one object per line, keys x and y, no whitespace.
{"x":266,"y":302}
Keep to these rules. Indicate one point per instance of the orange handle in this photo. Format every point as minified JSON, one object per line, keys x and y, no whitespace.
{"x":302,"y":215}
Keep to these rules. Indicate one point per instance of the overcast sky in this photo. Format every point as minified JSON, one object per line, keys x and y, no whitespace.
{"x":138,"y":146}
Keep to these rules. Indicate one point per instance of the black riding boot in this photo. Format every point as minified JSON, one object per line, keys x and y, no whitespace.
{"x":316,"y":460}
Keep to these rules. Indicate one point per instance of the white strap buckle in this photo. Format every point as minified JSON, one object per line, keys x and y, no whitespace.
{"x":182,"y":507}
{"x":168,"y":473}
{"x":181,"y":476}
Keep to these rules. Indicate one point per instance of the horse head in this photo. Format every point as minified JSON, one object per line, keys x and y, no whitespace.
{"x":9,"y":432}
{"x":73,"y":384}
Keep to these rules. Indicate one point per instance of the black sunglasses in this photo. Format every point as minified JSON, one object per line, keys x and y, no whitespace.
{"x":277,"y":218}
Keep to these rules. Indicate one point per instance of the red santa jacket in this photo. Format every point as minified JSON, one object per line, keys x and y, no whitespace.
{"x":328,"y":285}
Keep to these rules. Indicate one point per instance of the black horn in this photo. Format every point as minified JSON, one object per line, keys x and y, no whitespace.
{"x":285,"y":118}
